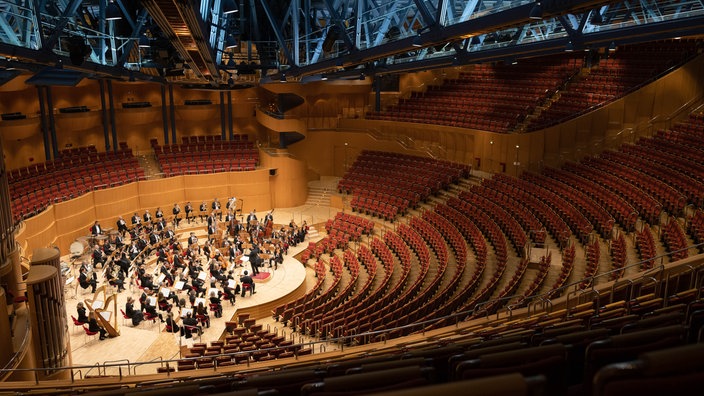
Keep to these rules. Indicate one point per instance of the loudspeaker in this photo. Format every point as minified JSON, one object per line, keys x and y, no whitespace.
{"x":272,"y":172}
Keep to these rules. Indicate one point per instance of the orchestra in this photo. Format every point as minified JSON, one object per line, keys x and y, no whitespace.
{"x":200,"y":271}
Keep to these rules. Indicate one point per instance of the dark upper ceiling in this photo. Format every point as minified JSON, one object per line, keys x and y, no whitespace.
{"x":192,"y":42}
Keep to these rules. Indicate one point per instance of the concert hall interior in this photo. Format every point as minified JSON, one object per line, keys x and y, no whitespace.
{"x":351,"y":197}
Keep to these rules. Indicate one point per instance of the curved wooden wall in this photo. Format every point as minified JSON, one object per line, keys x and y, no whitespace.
{"x":60,"y":224}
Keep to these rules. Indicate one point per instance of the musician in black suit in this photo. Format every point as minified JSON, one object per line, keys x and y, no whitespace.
{"x":254,"y":259}
{"x":176,"y":211}
{"x":99,"y":257}
{"x":122,"y":225}
{"x":215,"y":206}
{"x":81,"y":311}
{"x":136,"y":220}
{"x":132,"y":313}
{"x":147,"y":217}
{"x":247,"y":280}
{"x":86,"y":281}
{"x":95,"y":229}
{"x":203,"y":211}
{"x":189,"y":210}
{"x":212,"y":230}
{"x":159,"y":214}
{"x":193,"y":239}
{"x":95,"y":327}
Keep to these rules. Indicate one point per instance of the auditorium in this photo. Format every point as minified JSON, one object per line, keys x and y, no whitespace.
{"x":352,"y":197}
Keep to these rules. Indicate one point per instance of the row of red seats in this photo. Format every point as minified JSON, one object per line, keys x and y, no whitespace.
{"x":528,"y":221}
{"x":610,"y":79}
{"x":682,"y":157}
{"x":286,"y":311}
{"x":572,"y":216}
{"x":177,"y":169}
{"x":593,"y":256}
{"x":648,"y":207}
{"x":605,"y":205}
{"x":534,"y":287}
{"x":508,"y":290}
{"x":645,"y":244}
{"x":310,"y":320}
{"x":679,"y":164}
{"x":510,"y":226}
{"x":618,"y":256}
{"x":210,"y":138}
{"x":670,"y":199}
{"x":585,"y":207}
{"x":300,"y":320}
{"x":568,"y":256}
{"x":513,"y":189}
{"x":695,"y":227}
{"x":692,"y":189}
{"x":675,"y":240}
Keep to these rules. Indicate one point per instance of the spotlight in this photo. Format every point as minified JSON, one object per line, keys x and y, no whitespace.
{"x":229,"y":6}
{"x":612,"y":47}
{"x":283,"y":77}
{"x":323,"y":77}
{"x":536,"y":12}
{"x":569,"y":47}
{"x":112,"y":12}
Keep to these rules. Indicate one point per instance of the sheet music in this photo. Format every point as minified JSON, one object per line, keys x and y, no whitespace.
{"x":245,"y":259}
{"x":160,"y":279}
{"x":70,"y":280}
{"x":185,"y":272}
{"x":106,"y":315}
{"x":165,"y":291}
{"x":179,"y":285}
{"x":231,"y":283}
{"x":200,"y":300}
{"x":97,"y":304}
{"x":202,"y":275}
{"x":151,"y":300}
{"x":185,"y":312}
{"x":213,"y":292}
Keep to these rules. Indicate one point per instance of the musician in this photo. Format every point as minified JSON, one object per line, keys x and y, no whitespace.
{"x":95,"y":327}
{"x":254,"y":259}
{"x":147,"y":217}
{"x":81,"y":311}
{"x":229,"y":217}
{"x":231,"y":204}
{"x":131,"y":313}
{"x":171,"y":325}
{"x":134,"y":249}
{"x":215,"y":206}
{"x":202,"y":314}
{"x":124,"y":262}
{"x":215,"y":270}
{"x":160,"y":225}
{"x":269,"y":217}
{"x":150,"y":310}
{"x":85,"y":281}
{"x":193,"y":239}
{"x":167,"y":274}
{"x":176,"y":211}
{"x":96,"y":229}
{"x":159,"y":214}
{"x":232,"y":253}
{"x":252,"y":216}
{"x":227,"y":292}
{"x":216,"y":300}
{"x":190,"y":323}
{"x":116,"y":277}
{"x":98,"y":256}
{"x":154,"y":239}
{"x":122,"y":226}
{"x":203,"y":211}
{"x":136,"y":220}
{"x":247,"y":280}
{"x":276,"y":259}
{"x":212,"y":226}
{"x":189,"y":211}
{"x":118,"y":240}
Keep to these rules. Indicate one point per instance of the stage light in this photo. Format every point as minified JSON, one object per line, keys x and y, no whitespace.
{"x":112,"y":12}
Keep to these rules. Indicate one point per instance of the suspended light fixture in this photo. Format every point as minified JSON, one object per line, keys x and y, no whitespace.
{"x":144,"y":41}
{"x":230,"y":42}
{"x":283,"y":77}
{"x":323,"y":77}
{"x":569,"y":47}
{"x":417,"y":42}
{"x":229,"y":7}
{"x":112,"y":12}
{"x":612,"y":47}
{"x":536,"y":12}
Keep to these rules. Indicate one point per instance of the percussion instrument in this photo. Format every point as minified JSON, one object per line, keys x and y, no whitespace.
{"x":78,"y":247}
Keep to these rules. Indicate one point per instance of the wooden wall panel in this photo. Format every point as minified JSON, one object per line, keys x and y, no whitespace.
{"x":117,"y":201}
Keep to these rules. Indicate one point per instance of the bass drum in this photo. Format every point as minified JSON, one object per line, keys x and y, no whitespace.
{"x":78,"y":248}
